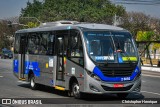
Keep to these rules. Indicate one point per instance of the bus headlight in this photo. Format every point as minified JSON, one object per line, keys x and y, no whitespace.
{"x":92,"y":75}
{"x":88,"y":72}
{"x":95,"y":77}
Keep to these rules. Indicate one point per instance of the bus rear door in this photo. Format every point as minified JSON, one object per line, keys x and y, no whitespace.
{"x":22,"y":57}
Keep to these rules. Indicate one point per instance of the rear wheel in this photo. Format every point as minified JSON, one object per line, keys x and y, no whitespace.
{"x":75,"y":90}
{"x":33,"y":85}
{"x":122,"y":95}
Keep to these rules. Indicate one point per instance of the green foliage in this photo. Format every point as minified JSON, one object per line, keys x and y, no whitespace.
{"x":32,"y":9}
{"x":5,"y":32}
{"x":156,"y":46}
{"x":98,"y":11}
{"x":32,"y":25}
{"x":135,"y":22}
{"x":148,"y":36}
{"x":145,"y":35}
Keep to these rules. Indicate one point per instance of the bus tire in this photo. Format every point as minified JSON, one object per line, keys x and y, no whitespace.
{"x":33,"y":85}
{"x":122,"y":95}
{"x":75,"y":90}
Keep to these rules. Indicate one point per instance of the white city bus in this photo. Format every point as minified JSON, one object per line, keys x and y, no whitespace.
{"x":78,"y":58}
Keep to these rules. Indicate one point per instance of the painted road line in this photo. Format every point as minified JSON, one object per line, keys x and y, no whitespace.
{"x":150,"y":92}
{"x":1,"y":76}
{"x":143,"y":81}
{"x":24,"y":82}
{"x":150,"y":76}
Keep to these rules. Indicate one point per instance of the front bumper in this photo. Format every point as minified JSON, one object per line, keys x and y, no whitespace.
{"x":102,"y":87}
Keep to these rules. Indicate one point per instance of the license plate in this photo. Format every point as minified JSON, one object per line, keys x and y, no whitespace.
{"x":118,"y":85}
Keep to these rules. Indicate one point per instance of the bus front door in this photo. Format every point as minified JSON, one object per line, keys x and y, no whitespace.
{"x":60,"y":58}
{"x":22,"y":58}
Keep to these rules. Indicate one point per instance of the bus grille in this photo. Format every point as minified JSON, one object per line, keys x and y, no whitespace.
{"x":117,"y":70}
{"x":106,"y":88}
{"x":117,"y":73}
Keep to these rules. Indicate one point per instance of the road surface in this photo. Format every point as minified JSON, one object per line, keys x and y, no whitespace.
{"x":11,"y":87}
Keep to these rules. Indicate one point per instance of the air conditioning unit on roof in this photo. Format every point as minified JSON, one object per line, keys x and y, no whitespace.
{"x":58,"y":23}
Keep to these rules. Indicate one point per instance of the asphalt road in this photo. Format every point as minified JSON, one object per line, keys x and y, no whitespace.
{"x":11,"y":87}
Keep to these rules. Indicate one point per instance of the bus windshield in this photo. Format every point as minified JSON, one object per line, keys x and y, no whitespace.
{"x":110,"y":47}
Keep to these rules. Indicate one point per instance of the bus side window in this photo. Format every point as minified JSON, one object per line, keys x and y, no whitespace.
{"x":46,"y":43}
{"x":50,"y":43}
{"x":16,"y":43}
{"x":76,"y":48}
{"x":33,"y":43}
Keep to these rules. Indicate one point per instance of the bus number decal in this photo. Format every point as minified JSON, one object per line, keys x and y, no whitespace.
{"x":126,"y":79}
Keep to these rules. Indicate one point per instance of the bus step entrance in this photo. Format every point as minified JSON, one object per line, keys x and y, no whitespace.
{"x":23,"y":79}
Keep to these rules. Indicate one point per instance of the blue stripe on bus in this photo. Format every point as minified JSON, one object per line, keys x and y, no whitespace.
{"x":98,"y":72}
{"x":15,"y":66}
{"x":34,"y":66}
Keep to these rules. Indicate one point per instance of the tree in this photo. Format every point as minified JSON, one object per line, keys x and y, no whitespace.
{"x":145,"y":35}
{"x":97,"y":11}
{"x":4,"y":34}
{"x":7,"y":30}
{"x":152,"y":35}
{"x":136,"y":21}
{"x":32,"y":9}
{"x":31,"y":25}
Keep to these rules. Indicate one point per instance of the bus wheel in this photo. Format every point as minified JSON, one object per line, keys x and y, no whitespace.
{"x":122,"y":95}
{"x":75,"y":90}
{"x":33,"y":85}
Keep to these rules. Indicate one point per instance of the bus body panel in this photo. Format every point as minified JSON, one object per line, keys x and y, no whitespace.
{"x":46,"y":71}
{"x":15,"y":65}
{"x":39,"y":65}
{"x":74,"y":70}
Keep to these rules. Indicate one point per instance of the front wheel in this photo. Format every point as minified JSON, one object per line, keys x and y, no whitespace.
{"x":122,"y":95}
{"x":75,"y":90}
{"x":33,"y":85}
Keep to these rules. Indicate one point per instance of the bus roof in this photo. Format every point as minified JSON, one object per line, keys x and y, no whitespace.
{"x":99,"y":26}
{"x":64,"y":25}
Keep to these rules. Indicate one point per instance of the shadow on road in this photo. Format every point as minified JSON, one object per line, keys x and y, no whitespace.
{"x":112,"y":97}
{"x":47,"y":89}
